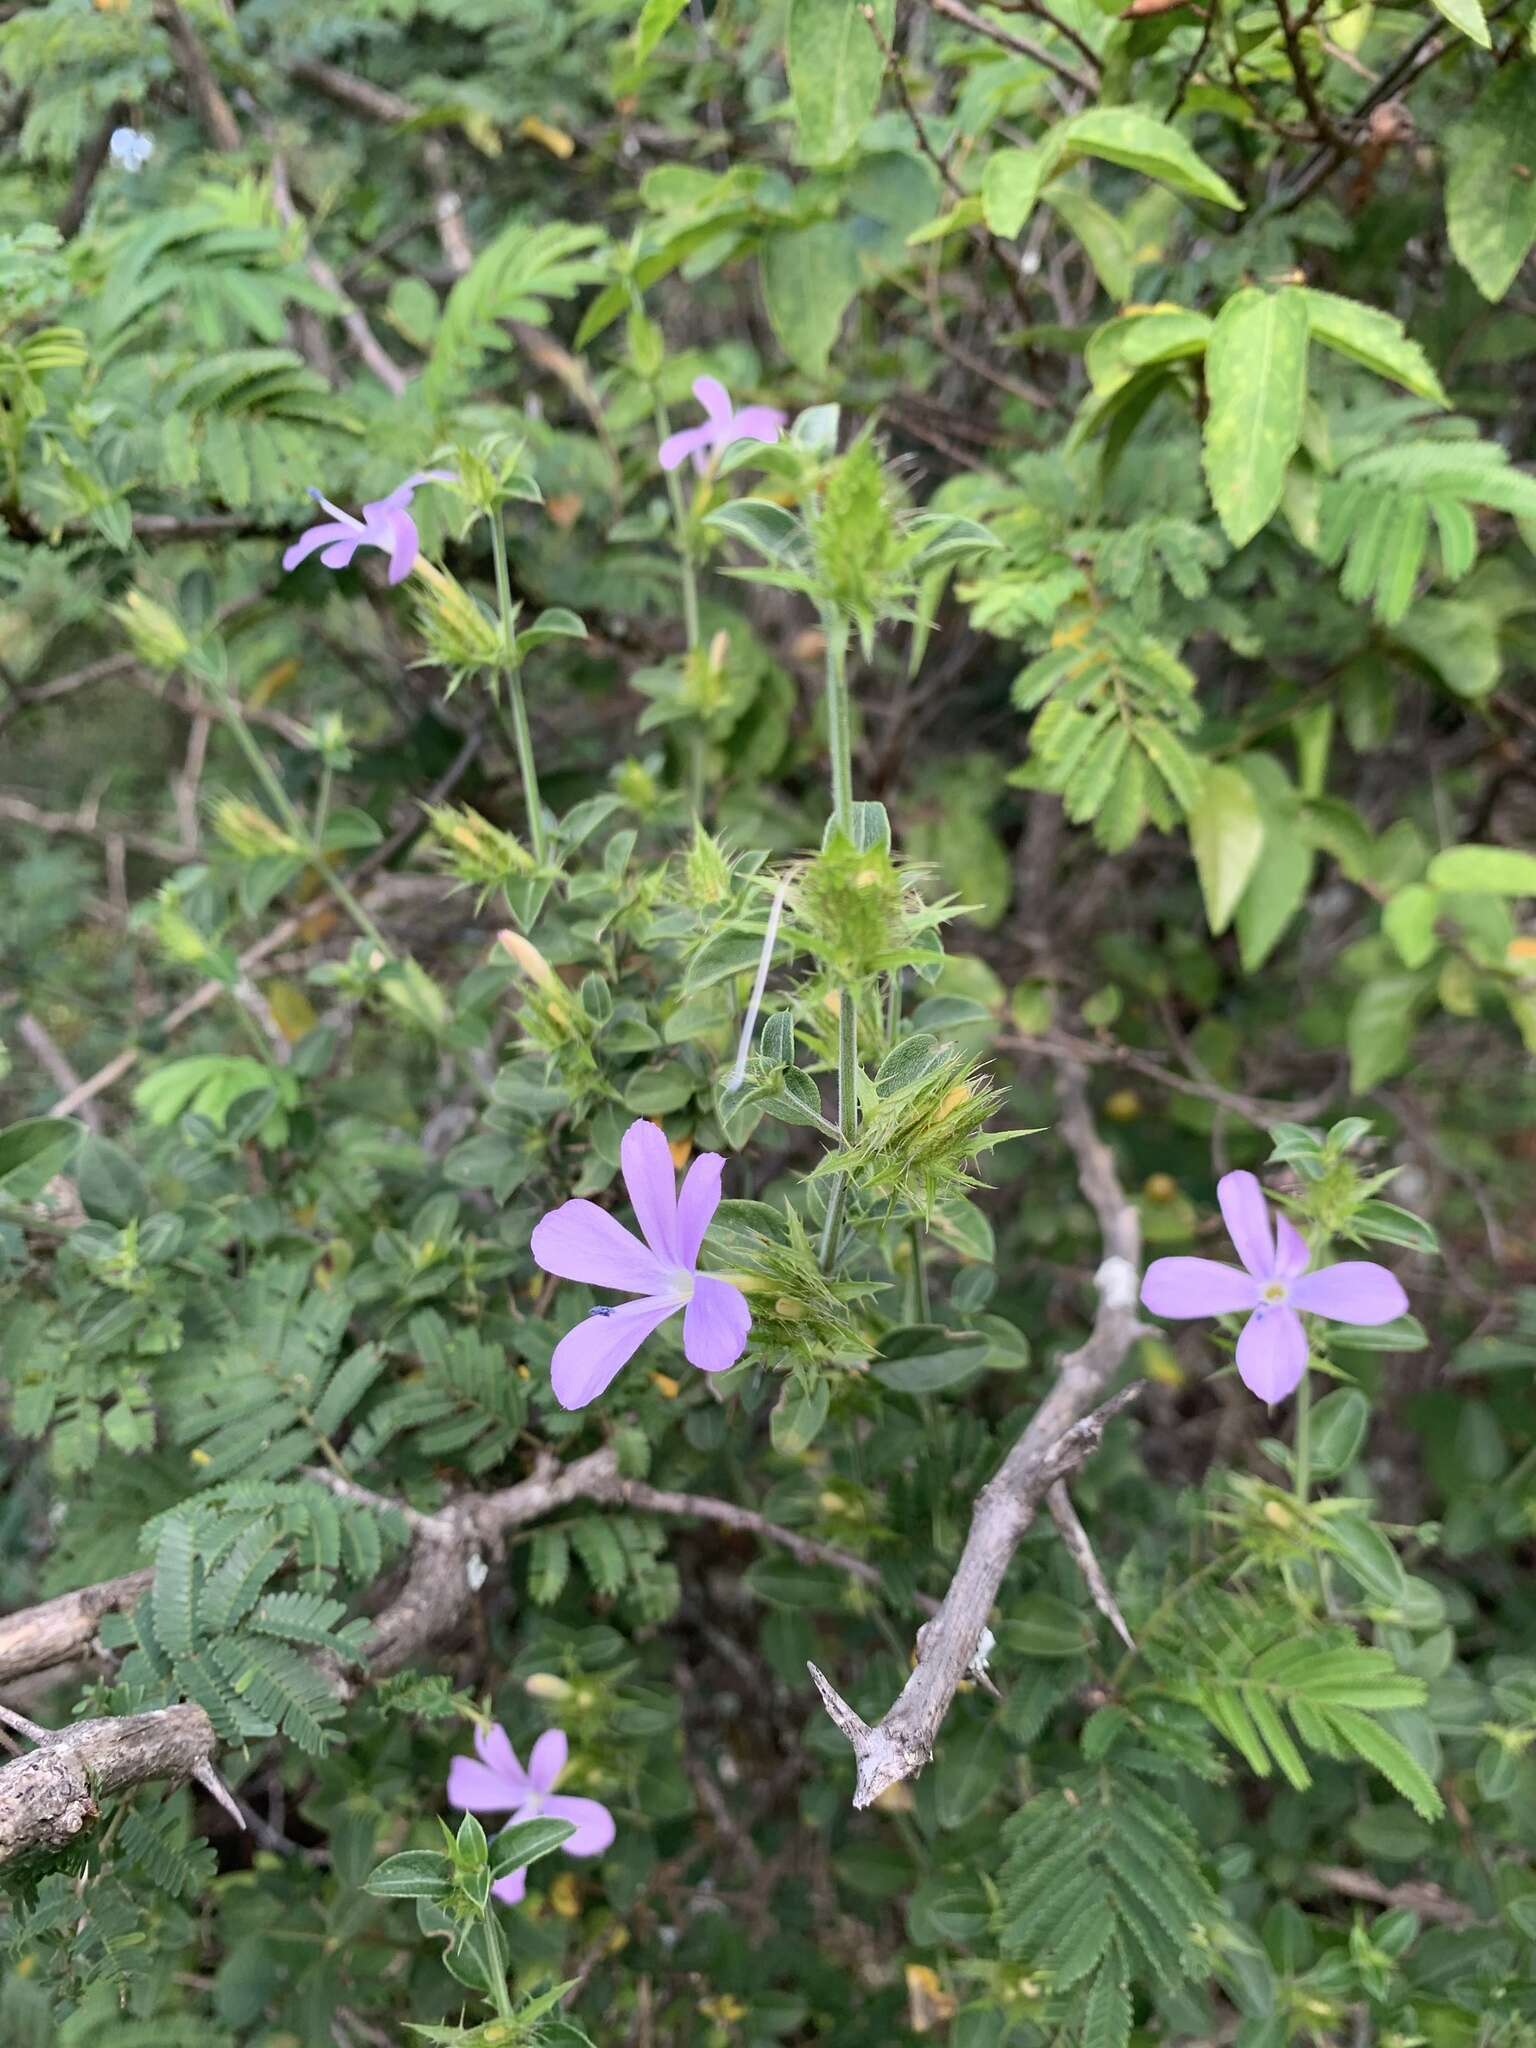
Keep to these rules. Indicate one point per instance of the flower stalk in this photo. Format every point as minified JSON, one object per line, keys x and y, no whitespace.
{"x":840,"y":748}
{"x":513,"y":712}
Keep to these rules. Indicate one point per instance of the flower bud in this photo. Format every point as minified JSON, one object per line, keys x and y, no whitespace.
{"x":155,"y":633}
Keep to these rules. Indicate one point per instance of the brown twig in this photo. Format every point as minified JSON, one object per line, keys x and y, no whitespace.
{"x":363,"y":338}
{"x":1060,"y":1435}
{"x":1010,"y":39}
{"x":1427,"y":1900}
{"x":1081,"y":1551}
{"x":87,"y":171}
{"x":44,"y":1807}
{"x":209,"y":103}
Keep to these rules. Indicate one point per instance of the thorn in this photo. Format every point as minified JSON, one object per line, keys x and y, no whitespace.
{"x":843,"y":1716}
{"x":212,"y":1783}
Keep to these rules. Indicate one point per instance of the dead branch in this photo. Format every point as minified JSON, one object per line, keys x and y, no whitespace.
{"x":1427,"y":1900}
{"x":51,"y":1795}
{"x":1060,"y":1436}
{"x":47,"y":1797}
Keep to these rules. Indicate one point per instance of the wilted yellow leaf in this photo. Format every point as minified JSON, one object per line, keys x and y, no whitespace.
{"x":292,"y":1011}
{"x":555,"y":140}
{"x":929,"y":2005}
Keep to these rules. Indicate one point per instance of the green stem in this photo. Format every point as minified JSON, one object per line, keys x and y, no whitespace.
{"x":514,"y":713}
{"x":840,"y":746}
{"x":267,"y":776}
{"x":919,"y":1300}
{"x":839,"y":725}
{"x":698,"y":744}
{"x":1303,"y":1448}
{"x":501,"y":1997}
{"x":847,"y":1117}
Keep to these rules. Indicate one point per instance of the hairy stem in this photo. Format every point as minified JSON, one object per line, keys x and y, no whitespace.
{"x":840,"y":747}
{"x":1303,"y":1450}
{"x":514,"y":712}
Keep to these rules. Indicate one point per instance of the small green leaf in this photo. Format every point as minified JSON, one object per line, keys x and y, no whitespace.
{"x":1409,"y":922}
{"x":1373,"y":338}
{"x":810,"y":275}
{"x":797,"y":1417}
{"x":1491,"y":870}
{"x":1468,"y":16}
{"x":1226,"y":831}
{"x":31,"y":1153}
{"x":1379,"y":1033}
{"x":1338,"y":1430}
{"x":525,"y":1842}
{"x":414,"y":1874}
{"x":1490,"y":194}
{"x":656,"y":17}
{"x":1141,"y":142}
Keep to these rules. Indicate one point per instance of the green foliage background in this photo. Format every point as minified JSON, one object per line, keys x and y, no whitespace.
{"x":1162,"y":376}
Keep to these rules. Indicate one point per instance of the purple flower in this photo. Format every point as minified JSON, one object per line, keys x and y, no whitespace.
{"x":1272,"y":1349}
{"x":579,"y":1241}
{"x":385,"y":524}
{"x":723,"y":426}
{"x":497,"y":1783}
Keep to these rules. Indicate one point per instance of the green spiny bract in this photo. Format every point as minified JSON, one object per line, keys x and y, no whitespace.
{"x":858,"y":911}
{"x":475,"y":851}
{"x":862,"y":542}
{"x":922,"y":1125}
{"x":799,"y":1313}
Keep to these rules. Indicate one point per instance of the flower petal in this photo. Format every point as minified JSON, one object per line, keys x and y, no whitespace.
{"x":546,"y":1759}
{"x":716,"y":401}
{"x":590,"y":1356}
{"x":479,"y":1789}
{"x":591,"y":1819}
{"x":715,"y":1325}
{"x":313,"y":538}
{"x":757,"y":423}
{"x":650,"y":1176}
{"x":1246,"y":1214}
{"x":402,"y":493}
{"x":511,"y":1888}
{"x":697,"y":1202}
{"x":494,"y":1748}
{"x":1291,"y":1254}
{"x":677,"y":448}
{"x":579,"y":1241}
{"x":1358,"y":1291}
{"x":1196,"y":1287}
{"x":396,"y":529}
{"x":339,"y":554}
{"x":1272,"y":1353}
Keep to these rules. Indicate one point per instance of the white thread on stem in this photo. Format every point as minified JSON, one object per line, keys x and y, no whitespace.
{"x":765,"y":961}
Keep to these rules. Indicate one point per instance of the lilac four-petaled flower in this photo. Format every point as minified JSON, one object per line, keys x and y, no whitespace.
{"x":723,"y":425}
{"x":580,"y":1241}
{"x":386,"y":523}
{"x":497,"y":1783}
{"x":1272,"y":1349}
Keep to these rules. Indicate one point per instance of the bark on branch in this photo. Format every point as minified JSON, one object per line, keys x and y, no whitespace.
{"x":50,"y":1795}
{"x":1061,"y":1434}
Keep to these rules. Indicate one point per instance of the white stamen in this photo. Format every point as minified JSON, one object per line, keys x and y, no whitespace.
{"x":765,"y":961}
{"x":336,"y":512}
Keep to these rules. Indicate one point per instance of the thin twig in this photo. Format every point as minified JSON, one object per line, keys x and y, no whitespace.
{"x":1075,"y":1537}
{"x":1065,"y":1429}
{"x":1009,"y":39}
